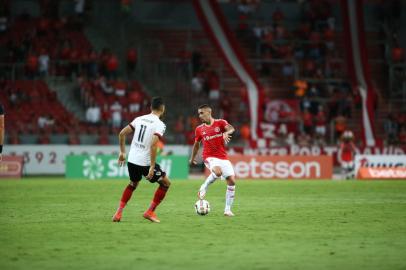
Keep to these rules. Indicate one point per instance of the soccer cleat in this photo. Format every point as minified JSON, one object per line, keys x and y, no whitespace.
{"x":151,"y":216}
{"x":117,"y":216}
{"x":228,"y":213}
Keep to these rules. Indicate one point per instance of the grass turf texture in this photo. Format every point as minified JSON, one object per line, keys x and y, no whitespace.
{"x":59,"y":224}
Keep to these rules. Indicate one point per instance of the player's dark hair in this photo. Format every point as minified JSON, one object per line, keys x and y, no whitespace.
{"x":156,"y":103}
{"x":204,"y":106}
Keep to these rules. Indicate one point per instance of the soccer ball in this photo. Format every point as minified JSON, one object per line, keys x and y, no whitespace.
{"x":202,"y":207}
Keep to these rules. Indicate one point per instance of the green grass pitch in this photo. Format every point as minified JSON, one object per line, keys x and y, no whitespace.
{"x":60,"y":224}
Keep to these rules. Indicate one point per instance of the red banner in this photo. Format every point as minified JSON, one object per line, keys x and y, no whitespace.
{"x":11,"y":167}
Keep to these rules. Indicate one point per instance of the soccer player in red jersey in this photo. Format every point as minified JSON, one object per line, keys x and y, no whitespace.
{"x":346,"y":154}
{"x":214,"y":134}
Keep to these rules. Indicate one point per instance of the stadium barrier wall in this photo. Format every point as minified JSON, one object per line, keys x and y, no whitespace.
{"x":106,"y":167}
{"x":50,"y":159}
{"x":11,"y":167}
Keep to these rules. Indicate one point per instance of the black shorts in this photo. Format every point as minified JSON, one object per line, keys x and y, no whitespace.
{"x":136,"y":172}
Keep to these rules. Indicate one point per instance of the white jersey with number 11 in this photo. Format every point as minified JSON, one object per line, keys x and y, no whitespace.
{"x":145,"y":127}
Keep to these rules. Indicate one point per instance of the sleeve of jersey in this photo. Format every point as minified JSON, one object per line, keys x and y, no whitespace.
{"x":198,"y":138}
{"x":160,"y":130}
{"x":132,"y":125}
{"x":224,"y":123}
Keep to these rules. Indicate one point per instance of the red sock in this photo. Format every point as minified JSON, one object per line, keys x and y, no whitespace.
{"x":128,"y":191}
{"x":158,"y":197}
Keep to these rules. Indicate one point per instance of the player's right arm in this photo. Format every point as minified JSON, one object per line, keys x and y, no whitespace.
{"x":121,"y":139}
{"x":195,"y":149}
{"x":340,"y":153}
{"x":153,"y":154}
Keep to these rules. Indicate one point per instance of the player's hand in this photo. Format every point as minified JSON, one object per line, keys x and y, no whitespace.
{"x":192,"y":161}
{"x":1,"y":157}
{"x":121,"y":159}
{"x":226,"y":137}
{"x":150,"y":173}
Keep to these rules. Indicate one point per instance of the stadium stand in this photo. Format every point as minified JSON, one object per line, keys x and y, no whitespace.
{"x":295,"y":47}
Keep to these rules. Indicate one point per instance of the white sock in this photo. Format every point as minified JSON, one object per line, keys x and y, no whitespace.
{"x":209,"y":180}
{"x":229,"y":197}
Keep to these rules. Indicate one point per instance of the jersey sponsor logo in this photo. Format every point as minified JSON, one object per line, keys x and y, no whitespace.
{"x":207,"y":138}
{"x":147,"y":120}
{"x":139,"y":145}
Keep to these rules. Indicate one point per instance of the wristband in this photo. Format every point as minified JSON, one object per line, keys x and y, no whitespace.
{"x":1,"y":148}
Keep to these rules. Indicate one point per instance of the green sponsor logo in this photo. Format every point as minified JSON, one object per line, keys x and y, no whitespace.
{"x":93,"y":167}
{"x":106,"y":167}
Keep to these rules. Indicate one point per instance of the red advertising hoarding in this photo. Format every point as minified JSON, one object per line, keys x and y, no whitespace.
{"x":11,"y":167}
{"x":282,"y":167}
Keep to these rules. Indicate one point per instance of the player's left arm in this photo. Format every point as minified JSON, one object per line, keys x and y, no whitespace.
{"x":121,"y":139}
{"x":153,"y":153}
{"x":227,"y":134}
{"x":158,"y":134}
{"x":355,"y":150}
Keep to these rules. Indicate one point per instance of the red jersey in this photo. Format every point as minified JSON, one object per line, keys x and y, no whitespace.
{"x":347,"y":151}
{"x":212,"y":139}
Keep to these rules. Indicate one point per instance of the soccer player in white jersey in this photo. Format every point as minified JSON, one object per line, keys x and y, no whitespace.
{"x":148,"y":130}
{"x":214,"y":134}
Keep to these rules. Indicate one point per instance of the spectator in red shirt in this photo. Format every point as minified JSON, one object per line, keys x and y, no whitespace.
{"x":321,"y":122}
{"x":135,"y":100}
{"x":32,"y":66}
{"x":398,"y":54}
{"x":245,"y":133}
{"x":132,"y":58}
{"x":73,"y":138}
{"x":112,"y":66}
{"x":307,"y":122}
{"x":278,"y":16}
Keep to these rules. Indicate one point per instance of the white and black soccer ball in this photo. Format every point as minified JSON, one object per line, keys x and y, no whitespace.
{"x":202,"y":207}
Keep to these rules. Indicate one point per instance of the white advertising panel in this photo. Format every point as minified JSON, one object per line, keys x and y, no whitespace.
{"x":379,"y":161}
{"x":50,"y":159}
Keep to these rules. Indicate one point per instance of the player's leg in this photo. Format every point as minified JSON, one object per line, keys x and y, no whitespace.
{"x":228,"y":173}
{"x":164,"y":184}
{"x":350,"y":170}
{"x":343,"y":170}
{"x":135,"y":177}
{"x":230,"y":192}
{"x":216,"y":172}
